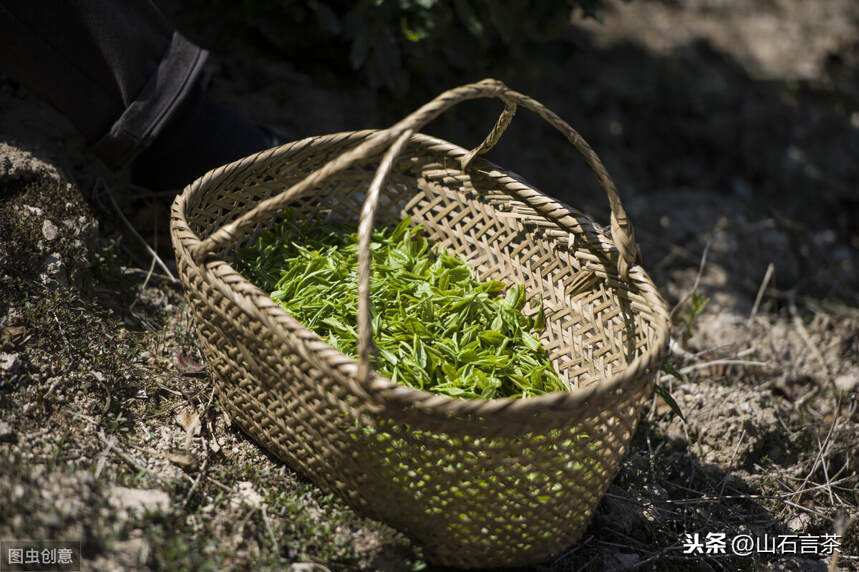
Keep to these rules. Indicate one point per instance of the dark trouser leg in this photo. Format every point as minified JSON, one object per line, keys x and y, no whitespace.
{"x":127,"y":81}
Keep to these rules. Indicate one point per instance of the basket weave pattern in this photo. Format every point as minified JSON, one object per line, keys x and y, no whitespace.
{"x":477,"y":482}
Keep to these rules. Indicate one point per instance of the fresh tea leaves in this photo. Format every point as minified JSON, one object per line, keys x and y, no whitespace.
{"x":435,"y":327}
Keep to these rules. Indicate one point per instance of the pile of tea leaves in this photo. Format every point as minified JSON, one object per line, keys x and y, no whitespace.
{"x":435,"y":326}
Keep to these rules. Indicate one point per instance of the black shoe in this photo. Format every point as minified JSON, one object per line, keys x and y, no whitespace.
{"x":203,"y":135}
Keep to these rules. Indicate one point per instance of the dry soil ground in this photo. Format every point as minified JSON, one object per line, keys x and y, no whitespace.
{"x":732,"y":128}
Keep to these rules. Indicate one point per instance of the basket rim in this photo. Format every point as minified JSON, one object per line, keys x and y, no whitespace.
{"x":381,"y":389}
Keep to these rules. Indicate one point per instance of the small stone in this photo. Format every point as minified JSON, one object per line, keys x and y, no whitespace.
{"x":246,"y":494}
{"x":32,"y":210}
{"x":53,"y":383}
{"x":10,"y":362}
{"x":142,"y":500}
{"x":306,"y":567}
{"x":7,"y":434}
{"x":49,"y":230}
{"x":133,"y":552}
{"x":800,"y":522}
{"x":847,"y":382}
{"x":54,"y":264}
{"x":182,"y":459}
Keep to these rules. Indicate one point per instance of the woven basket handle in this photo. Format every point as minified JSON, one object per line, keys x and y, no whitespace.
{"x":621,"y":229}
{"x":395,"y":138}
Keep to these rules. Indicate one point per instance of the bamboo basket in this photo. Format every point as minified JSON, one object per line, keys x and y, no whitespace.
{"x":502,"y":482}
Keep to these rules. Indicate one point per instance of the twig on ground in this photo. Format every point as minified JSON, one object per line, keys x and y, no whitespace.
{"x":209,"y":404}
{"x":806,"y":339}
{"x":205,"y":464}
{"x":102,"y":460}
{"x":268,"y":527}
{"x":723,"y":349}
{"x":697,"y":281}
{"x":841,"y":527}
{"x":168,"y":390}
{"x":196,"y":482}
{"x":62,"y":331}
{"x":151,"y":264}
{"x":136,"y":234}
{"x":145,"y":282}
{"x":633,"y":542}
{"x":131,"y":270}
{"x":823,"y":450}
{"x":128,"y":458}
{"x":825,"y":468}
{"x":805,"y":397}
{"x":827,"y":485}
{"x":146,"y":450}
{"x":832,"y":482}
{"x":676,"y":349}
{"x":572,"y":550}
{"x":659,"y":554}
{"x":219,"y":484}
{"x":743,"y":496}
{"x":717,"y":499}
{"x":727,"y":474}
{"x":764,"y":283}
{"x":715,"y":362}
{"x":731,"y":463}
{"x":84,"y":416}
{"x":706,"y":364}
{"x":245,"y":519}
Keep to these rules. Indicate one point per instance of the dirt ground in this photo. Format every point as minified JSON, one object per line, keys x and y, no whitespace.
{"x":732,"y":130}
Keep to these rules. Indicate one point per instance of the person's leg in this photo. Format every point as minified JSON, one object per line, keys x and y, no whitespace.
{"x":127,"y":81}
{"x":202,"y":135}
